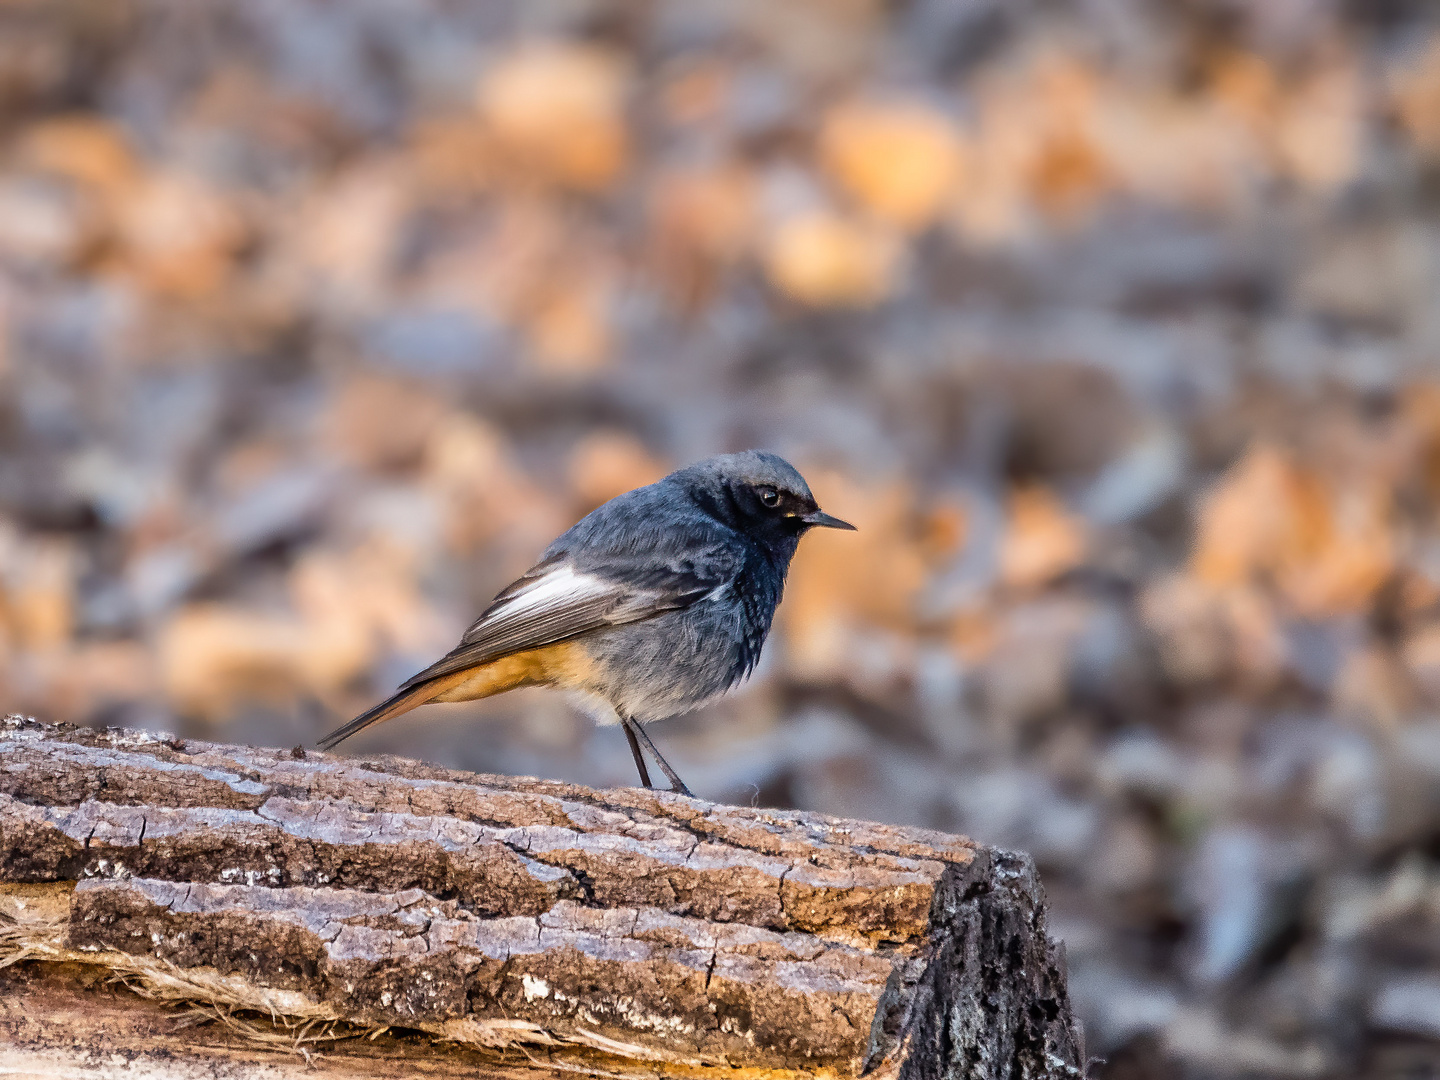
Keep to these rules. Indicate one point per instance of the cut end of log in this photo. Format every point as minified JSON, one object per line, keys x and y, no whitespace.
{"x":543,"y":926}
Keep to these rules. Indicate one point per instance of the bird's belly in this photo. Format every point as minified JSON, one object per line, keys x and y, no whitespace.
{"x":665,"y":665}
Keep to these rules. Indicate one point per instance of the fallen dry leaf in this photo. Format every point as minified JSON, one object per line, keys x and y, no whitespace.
{"x":1270,"y":519}
{"x":1042,"y":539}
{"x":899,"y":160}
{"x":702,"y":220}
{"x":84,"y":148}
{"x":212,"y":656}
{"x":609,"y":463}
{"x":1264,"y":513}
{"x":37,"y":592}
{"x":381,"y":423}
{"x":824,"y":259}
{"x":179,"y":235}
{"x":556,"y":110}
{"x":845,"y":586}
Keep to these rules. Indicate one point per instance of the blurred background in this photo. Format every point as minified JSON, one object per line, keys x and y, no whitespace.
{"x":1114,"y":325}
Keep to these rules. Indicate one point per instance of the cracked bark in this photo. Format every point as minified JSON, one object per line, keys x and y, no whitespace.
{"x":548,"y":926}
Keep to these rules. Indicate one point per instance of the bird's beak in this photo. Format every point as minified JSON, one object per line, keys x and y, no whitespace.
{"x":826,"y":521}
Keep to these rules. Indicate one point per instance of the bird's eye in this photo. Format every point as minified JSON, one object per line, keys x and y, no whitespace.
{"x":770,"y":497}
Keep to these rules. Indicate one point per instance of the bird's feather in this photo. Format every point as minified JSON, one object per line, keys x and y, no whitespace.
{"x":555,"y":601}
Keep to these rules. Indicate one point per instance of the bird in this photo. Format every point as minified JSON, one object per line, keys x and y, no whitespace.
{"x":651,"y":605}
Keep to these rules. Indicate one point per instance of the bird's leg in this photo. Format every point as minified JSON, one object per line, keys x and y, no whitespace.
{"x":676,"y":784}
{"x":629,"y":725}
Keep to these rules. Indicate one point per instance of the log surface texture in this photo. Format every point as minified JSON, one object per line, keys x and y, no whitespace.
{"x":386,"y":910}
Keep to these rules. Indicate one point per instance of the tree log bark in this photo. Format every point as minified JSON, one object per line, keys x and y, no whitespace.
{"x":387,"y":910}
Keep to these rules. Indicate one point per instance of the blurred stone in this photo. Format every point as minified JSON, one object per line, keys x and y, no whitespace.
{"x":1348,"y":782}
{"x":704,"y":220}
{"x":1118,"y":1005}
{"x":1410,"y":1004}
{"x":434,"y":341}
{"x":807,"y":742}
{"x":882,"y":783}
{"x":697,"y":93}
{"x":345,"y":606}
{"x":1421,"y":655}
{"x":1375,"y":686}
{"x":941,"y":684}
{"x":761,"y":101}
{"x":1026,"y":673}
{"x":1126,"y":857}
{"x":1111,"y":662}
{"x":1376,"y":274}
{"x":1318,"y":650}
{"x":280,"y":507}
{"x":1206,"y":1042}
{"x":1138,"y":481}
{"x":157,"y":578}
{"x":1022,"y":809}
{"x":1143,"y":763}
{"x":1244,"y":886}
{"x":42,"y":226}
{"x":1271,"y":516}
{"x":817,"y":38}
{"x":1411,"y":783}
{"x":486,"y":498}
{"x":406,"y":520}
{"x":570,"y":325}
{"x":454,"y":157}
{"x":370,"y":593}
{"x":1357,"y":906}
{"x":1206,"y":633}
{"x":1319,"y":990}
{"x":99,"y":676}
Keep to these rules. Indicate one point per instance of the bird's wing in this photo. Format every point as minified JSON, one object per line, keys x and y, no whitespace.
{"x":557,"y":600}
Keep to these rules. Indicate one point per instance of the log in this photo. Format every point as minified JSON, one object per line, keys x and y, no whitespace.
{"x":203,"y":907}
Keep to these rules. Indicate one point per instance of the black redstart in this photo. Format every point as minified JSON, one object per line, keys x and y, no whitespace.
{"x":653,"y":603}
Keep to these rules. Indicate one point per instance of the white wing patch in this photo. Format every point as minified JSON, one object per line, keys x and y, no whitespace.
{"x":563,"y":586}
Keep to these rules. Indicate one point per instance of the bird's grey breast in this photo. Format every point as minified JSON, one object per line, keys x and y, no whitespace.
{"x":680,"y":659}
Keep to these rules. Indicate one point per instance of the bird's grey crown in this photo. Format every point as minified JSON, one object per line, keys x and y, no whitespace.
{"x":750,"y":468}
{"x":700,"y":523}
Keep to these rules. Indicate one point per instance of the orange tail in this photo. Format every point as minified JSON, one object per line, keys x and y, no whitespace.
{"x":394,"y":705}
{"x":563,"y":663}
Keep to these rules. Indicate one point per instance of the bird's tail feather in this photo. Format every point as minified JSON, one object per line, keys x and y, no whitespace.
{"x":401,"y":702}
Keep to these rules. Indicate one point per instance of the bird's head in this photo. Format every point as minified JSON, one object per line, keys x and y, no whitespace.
{"x":760,"y":494}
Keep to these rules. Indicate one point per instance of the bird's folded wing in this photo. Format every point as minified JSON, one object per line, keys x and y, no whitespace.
{"x":555,"y":601}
